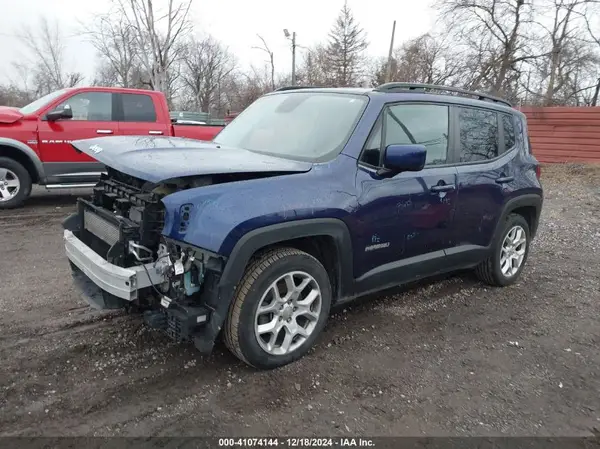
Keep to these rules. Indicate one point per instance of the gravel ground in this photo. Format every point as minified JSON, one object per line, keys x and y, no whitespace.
{"x":445,"y":357}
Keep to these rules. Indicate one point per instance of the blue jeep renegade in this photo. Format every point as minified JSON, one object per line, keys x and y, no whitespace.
{"x":309,"y":198}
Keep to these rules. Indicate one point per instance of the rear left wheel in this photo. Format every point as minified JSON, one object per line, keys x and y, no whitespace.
{"x":280,"y":307}
{"x":509,"y":254}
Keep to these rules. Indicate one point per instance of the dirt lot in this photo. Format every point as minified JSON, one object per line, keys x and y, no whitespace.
{"x":433,"y":359}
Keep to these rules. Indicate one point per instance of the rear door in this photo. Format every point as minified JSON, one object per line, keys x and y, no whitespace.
{"x":138,"y":116}
{"x":93,"y":116}
{"x":484,"y":152}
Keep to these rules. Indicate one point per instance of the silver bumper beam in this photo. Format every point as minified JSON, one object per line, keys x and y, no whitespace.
{"x":122,"y":282}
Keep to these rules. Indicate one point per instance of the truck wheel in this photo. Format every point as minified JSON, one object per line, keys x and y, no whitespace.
{"x":509,"y":255}
{"x":15,"y":183}
{"x":280,"y":307}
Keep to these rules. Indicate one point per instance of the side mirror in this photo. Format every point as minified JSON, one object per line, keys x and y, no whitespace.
{"x":400,"y":158}
{"x":58,"y":114}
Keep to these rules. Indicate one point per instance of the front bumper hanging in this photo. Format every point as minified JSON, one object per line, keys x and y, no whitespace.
{"x":100,"y":282}
{"x":96,"y":274}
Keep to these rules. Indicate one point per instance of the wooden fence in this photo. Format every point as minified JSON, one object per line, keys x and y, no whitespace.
{"x":564,"y":134}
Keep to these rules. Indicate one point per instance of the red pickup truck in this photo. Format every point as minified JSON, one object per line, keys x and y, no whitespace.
{"x":35,"y":139}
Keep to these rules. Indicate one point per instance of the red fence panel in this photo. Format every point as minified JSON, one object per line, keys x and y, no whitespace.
{"x":564,"y":134}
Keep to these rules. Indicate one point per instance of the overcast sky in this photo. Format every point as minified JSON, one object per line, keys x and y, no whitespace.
{"x":234,"y":22}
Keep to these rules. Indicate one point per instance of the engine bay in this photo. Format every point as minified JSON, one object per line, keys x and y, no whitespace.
{"x":123,"y":222}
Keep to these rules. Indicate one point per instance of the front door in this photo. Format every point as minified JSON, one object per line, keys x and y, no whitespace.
{"x":92,"y":117}
{"x":406,"y":222}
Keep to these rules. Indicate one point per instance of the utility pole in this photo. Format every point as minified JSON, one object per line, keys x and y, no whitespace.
{"x":526,"y":101}
{"x":293,"y":39}
{"x":388,"y":76}
{"x":596,"y":92}
{"x":294,"y":58}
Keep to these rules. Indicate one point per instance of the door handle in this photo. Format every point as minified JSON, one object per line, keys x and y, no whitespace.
{"x":104,"y":131}
{"x":505,"y":179}
{"x":155,"y":133}
{"x":443,"y":188}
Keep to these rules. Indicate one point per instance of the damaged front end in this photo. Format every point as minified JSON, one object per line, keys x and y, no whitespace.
{"x":120,"y":259}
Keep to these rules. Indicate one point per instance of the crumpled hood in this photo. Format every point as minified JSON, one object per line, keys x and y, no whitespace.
{"x":156,"y":158}
{"x":9,"y":114}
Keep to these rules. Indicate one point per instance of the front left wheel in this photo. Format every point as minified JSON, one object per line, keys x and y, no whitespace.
{"x":279,"y":309}
{"x":15,"y":183}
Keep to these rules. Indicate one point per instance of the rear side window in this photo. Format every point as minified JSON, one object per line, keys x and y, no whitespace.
{"x":509,"y":132}
{"x":406,"y":124}
{"x":479,"y":138}
{"x":138,"y":108}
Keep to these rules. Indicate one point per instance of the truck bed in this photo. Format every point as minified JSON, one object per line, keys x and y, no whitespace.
{"x":198,"y":132}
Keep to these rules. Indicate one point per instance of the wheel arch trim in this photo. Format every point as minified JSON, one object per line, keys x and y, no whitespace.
{"x":529,"y":200}
{"x":27,"y":151}
{"x":254,"y":240}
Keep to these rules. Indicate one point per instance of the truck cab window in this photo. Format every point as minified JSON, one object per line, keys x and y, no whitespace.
{"x":90,"y":106}
{"x":138,"y":108}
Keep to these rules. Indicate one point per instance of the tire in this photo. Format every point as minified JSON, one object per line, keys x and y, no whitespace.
{"x":491,"y":271}
{"x":241,"y":332}
{"x":15,"y":172}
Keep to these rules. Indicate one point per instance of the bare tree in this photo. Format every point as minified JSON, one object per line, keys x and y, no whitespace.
{"x":271,"y":61}
{"x":497,"y":37}
{"x":14,"y":96}
{"x":425,"y":59}
{"x":47,"y":64}
{"x":156,"y":31}
{"x":23,"y":78}
{"x":590,"y":16}
{"x":105,"y":75}
{"x":568,"y":54}
{"x":345,"y":49}
{"x":314,"y":70}
{"x":114,"y":39}
{"x":243,"y":90}
{"x":239,"y":90}
{"x":206,"y":63}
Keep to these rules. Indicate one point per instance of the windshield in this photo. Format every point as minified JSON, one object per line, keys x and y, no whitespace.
{"x":41,"y":102}
{"x":305,"y":126}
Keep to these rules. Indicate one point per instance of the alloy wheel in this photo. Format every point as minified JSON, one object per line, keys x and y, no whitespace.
{"x":287,"y":313}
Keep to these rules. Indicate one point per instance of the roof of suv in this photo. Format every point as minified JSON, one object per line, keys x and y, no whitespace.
{"x":414,"y":91}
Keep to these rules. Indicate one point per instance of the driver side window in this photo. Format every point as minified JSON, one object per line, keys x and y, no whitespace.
{"x":90,"y":106}
{"x":406,"y":124}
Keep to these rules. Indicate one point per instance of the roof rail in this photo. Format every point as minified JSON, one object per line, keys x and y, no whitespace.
{"x":391,"y":87}
{"x":281,"y":89}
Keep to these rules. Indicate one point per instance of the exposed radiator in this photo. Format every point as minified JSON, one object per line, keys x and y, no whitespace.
{"x":100,"y":227}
